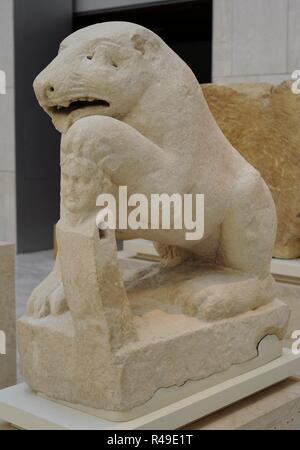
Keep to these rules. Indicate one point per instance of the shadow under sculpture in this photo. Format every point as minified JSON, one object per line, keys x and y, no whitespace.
{"x":94,"y":335}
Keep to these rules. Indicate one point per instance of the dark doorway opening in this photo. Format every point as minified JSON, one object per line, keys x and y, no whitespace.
{"x":39,"y":27}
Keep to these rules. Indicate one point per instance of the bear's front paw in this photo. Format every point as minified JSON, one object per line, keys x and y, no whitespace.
{"x":37,"y":306}
{"x":57,"y":301}
{"x":41,"y":305}
{"x":228,"y":300}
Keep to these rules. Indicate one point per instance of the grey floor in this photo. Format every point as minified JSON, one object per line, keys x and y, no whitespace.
{"x":31,"y":269}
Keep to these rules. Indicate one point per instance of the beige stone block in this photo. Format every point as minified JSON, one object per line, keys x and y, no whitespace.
{"x":261,"y":121}
{"x":7,"y":315}
{"x":65,"y":364}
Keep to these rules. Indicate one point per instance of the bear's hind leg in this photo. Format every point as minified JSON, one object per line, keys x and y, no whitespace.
{"x":247,"y":240}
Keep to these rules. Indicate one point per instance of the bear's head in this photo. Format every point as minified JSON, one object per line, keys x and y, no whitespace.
{"x":103,"y":69}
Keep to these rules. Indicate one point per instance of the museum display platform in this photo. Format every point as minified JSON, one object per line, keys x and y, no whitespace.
{"x":27,"y":410}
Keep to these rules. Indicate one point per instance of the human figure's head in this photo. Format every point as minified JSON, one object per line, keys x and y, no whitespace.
{"x":80,"y":183}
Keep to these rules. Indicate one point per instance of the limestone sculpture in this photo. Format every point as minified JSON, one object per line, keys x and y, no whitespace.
{"x":261,"y":122}
{"x":132,"y":114}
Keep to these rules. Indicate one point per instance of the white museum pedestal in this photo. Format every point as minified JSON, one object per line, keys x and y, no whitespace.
{"x":26,"y":410}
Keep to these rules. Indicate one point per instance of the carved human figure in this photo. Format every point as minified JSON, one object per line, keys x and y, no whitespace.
{"x":116,"y":89}
{"x":81,"y":183}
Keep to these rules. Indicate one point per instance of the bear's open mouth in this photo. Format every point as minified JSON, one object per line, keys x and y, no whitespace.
{"x":69,"y":107}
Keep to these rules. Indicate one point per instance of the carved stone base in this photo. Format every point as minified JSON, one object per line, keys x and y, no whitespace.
{"x":268,"y":350}
{"x":171,"y":349}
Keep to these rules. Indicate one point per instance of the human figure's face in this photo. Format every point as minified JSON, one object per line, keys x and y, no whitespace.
{"x":79,"y":187}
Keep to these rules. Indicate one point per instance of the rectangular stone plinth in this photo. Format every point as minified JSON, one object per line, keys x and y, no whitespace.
{"x":29,"y":411}
{"x":171,"y":349}
{"x":7,"y":316}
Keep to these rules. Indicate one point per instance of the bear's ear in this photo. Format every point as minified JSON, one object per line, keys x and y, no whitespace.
{"x":144,"y":43}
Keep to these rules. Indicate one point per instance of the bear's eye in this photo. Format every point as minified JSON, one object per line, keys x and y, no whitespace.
{"x":114,"y":63}
{"x":91,"y":55}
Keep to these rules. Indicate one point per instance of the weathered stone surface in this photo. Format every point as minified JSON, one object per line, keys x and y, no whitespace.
{"x":146,"y":135}
{"x":71,"y":357}
{"x":170,"y":349}
{"x":7,"y":315}
{"x":129,"y":110}
{"x":262,"y":122}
